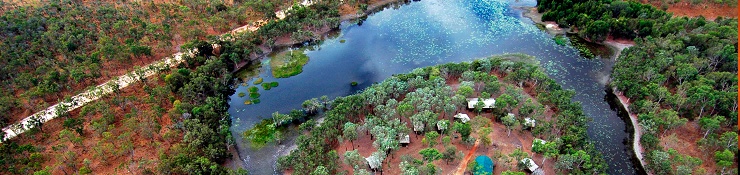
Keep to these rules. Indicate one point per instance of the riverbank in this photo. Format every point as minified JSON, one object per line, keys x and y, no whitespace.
{"x":550,"y":26}
{"x":637,"y":133}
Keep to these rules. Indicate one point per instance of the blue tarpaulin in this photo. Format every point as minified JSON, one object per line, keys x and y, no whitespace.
{"x":486,"y":163}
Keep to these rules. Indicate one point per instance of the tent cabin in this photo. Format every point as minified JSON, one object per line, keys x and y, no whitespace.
{"x":374,"y":162}
{"x":529,"y":122}
{"x":418,"y":127}
{"x":486,"y":164}
{"x":531,"y":166}
{"x":404,"y":139}
{"x":463,"y":117}
{"x":488,"y":103}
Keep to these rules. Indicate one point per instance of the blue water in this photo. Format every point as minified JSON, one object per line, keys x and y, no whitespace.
{"x":418,"y":34}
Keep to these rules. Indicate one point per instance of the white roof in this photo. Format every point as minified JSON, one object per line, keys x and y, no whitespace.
{"x":532,"y":166}
{"x":373,"y":161}
{"x":418,"y":126}
{"x":463,"y":117}
{"x":488,"y":102}
{"x":530,"y":122}
{"x":404,"y":138}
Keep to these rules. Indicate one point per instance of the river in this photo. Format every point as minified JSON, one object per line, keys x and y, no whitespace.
{"x":424,"y":33}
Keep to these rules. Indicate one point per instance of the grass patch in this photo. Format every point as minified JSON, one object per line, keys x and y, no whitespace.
{"x":242,"y":94}
{"x":258,"y":81}
{"x":288,"y":64}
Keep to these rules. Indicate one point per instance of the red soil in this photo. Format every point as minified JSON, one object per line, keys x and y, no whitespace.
{"x":707,"y":9}
{"x":678,"y":138}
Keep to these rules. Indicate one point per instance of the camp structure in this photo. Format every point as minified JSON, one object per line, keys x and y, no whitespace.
{"x":529,"y":122}
{"x":463,"y":117}
{"x":486,"y":165}
{"x":404,"y":139}
{"x":374,"y":162}
{"x":531,"y":166}
{"x":488,"y":103}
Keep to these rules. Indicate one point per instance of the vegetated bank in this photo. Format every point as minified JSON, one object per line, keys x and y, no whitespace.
{"x":680,"y":78}
{"x":426,"y":100}
{"x":194,"y":99}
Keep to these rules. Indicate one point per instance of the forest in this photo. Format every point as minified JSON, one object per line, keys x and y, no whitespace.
{"x":681,"y":73}
{"x":425,"y":98}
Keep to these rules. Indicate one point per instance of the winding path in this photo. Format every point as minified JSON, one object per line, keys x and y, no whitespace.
{"x":106,"y":88}
{"x":464,"y":162}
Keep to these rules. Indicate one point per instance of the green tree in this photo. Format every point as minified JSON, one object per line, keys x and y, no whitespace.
{"x":353,"y":159}
{"x":513,"y":173}
{"x":669,"y":119}
{"x":483,"y":133}
{"x":548,"y":150}
{"x":510,"y":121}
{"x":724,"y":159}
{"x":505,"y":101}
{"x":432,"y":138}
{"x":464,"y":130}
{"x":430,"y":154}
{"x":350,"y":132}
{"x":450,"y":154}
{"x":729,"y":140}
{"x":709,"y":124}
{"x":320,"y":170}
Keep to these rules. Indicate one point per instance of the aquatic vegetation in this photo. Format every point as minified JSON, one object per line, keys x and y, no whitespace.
{"x":270,"y":85}
{"x":342,"y":41}
{"x":252,"y":89}
{"x":261,"y":134}
{"x":242,"y":94}
{"x":258,"y":81}
{"x":354,"y":83}
{"x":256,"y":101}
{"x":254,"y":95}
{"x":247,"y":102}
{"x":288,"y":64}
{"x":560,"y":40}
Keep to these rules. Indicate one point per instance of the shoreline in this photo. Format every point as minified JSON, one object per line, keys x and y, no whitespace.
{"x":617,"y":46}
{"x":637,"y":134}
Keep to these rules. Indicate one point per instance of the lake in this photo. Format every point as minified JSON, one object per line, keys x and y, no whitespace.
{"x":424,"y":33}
